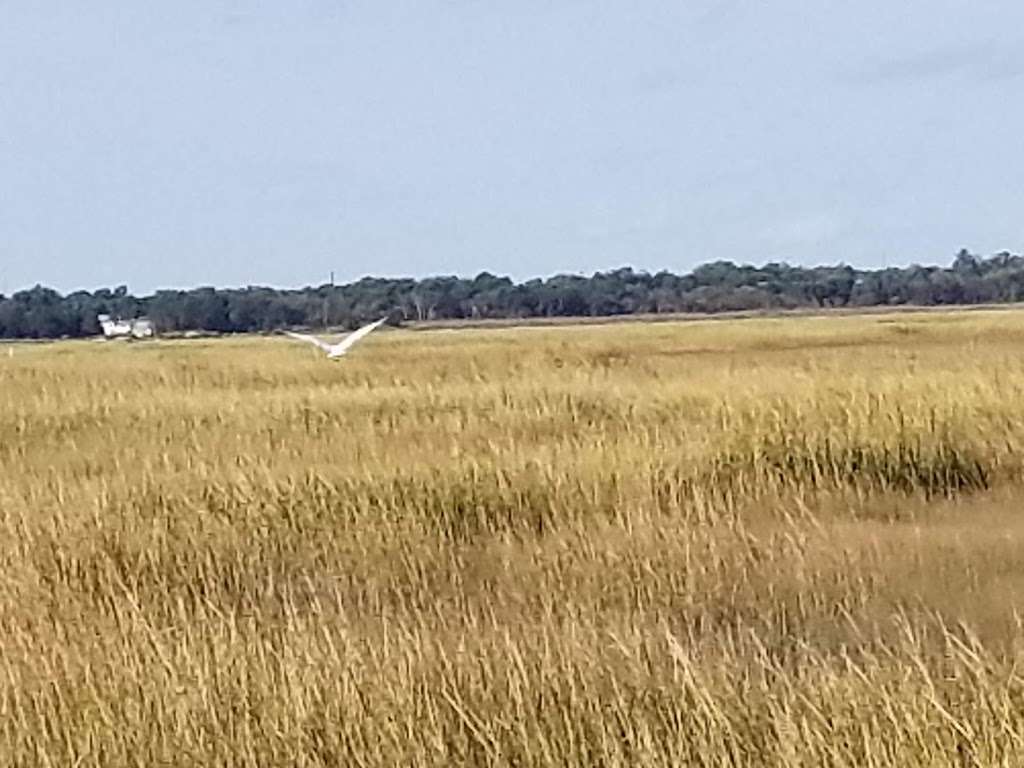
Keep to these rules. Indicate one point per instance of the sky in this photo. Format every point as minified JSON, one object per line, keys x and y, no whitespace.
{"x":229,"y":143}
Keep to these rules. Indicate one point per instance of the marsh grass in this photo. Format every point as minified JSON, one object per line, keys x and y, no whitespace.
{"x":782,"y":542}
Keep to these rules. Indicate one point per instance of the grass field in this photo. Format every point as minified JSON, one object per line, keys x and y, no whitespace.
{"x":764,"y":542}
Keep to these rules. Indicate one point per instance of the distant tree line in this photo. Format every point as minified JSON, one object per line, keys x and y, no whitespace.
{"x":720,"y":286}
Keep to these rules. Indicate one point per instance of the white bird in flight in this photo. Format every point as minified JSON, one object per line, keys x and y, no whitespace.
{"x":335,"y":351}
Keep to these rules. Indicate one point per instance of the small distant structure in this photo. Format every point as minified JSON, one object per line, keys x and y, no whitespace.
{"x":136,"y":328}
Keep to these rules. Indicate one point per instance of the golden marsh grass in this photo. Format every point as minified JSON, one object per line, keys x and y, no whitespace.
{"x":785,"y":542}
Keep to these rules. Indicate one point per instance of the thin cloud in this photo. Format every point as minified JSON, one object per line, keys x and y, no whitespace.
{"x":975,"y":61}
{"x":660,"y":81}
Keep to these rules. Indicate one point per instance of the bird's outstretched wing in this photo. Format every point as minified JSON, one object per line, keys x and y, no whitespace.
{"x":343,"y":346}
{"x":310,"y":339}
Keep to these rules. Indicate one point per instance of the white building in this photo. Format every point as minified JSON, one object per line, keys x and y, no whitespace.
{"x":139,"y":328}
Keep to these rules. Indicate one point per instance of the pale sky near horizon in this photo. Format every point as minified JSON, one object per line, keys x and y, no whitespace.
{"x":228,"y":143}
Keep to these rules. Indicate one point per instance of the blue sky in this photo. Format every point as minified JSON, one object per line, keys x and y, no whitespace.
{"x":225,"y":142}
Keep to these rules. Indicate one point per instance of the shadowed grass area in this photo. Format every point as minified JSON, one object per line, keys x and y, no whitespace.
{"x":782,"y":542}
